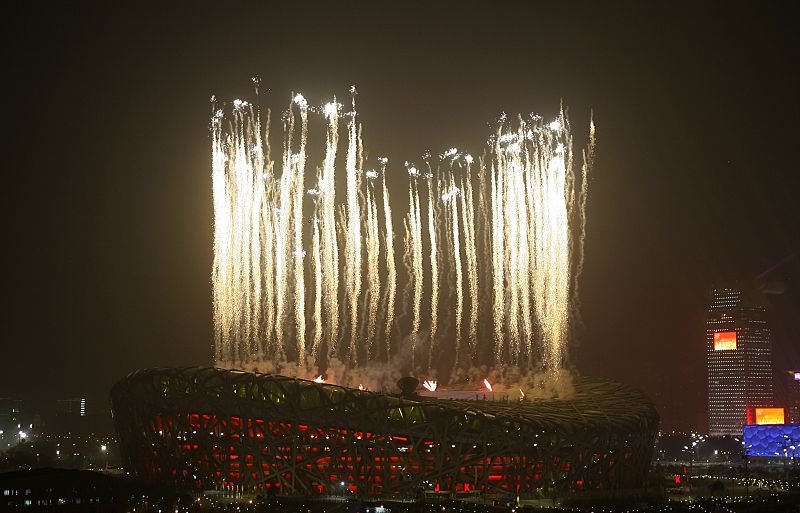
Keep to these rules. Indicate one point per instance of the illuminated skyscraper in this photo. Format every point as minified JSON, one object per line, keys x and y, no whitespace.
{"x":739,"y":357}
{"x":75,"y":407}
{"x":793,"y":399}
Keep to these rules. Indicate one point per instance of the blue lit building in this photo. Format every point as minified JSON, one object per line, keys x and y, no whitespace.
{"x":772,"y":440}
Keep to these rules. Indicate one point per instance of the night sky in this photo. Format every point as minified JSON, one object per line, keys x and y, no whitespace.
{"x":107,"y":214}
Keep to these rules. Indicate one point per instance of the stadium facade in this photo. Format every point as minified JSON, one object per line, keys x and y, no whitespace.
{"x":209,"y":428}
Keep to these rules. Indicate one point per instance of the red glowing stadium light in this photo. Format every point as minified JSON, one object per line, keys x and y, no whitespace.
{"x":724,"y":341}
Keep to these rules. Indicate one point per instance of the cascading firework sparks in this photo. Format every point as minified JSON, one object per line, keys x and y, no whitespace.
{"x":391,"y":271}
{"x":492,"y":249}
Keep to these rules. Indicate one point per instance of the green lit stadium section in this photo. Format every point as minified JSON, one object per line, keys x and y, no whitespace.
{"x":210,"y":428}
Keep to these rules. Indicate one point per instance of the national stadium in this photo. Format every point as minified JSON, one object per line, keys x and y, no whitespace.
{"x":207,"y":428}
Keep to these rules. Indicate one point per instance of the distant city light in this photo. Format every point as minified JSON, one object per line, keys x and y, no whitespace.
{"x":23,"y":434}
{"x":103,"y":447}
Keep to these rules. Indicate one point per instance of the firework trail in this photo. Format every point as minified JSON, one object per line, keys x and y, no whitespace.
{"x":298,"y":167}
{"x":468,"y":221}
{"x":415,"y":248}
{"x":522,"y":265}
{"x":329,"y":244}
{"x":451,"y":200}
{"x":268,"y":303}
{"x":408,"y":265}
{"x":509,"y":165}
{"x":583,"y":196}
{"x":319,"y":288}
{"x":552,"y":273}
{"x":373,"y":264}
{"x":353,"y":242}
{"x":434,"y":273}
{"x":498,"y":252}
{"x":282,"y":236}
{"x":263,"y":290}
{"x":221,"y":271}
{"x":391,"y":271}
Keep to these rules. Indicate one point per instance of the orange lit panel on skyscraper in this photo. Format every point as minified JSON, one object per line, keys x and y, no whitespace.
{"x":769,"y":416}
{"x":724,"y":341}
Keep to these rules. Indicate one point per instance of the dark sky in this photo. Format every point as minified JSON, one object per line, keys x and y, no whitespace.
{"x":106,"y":161}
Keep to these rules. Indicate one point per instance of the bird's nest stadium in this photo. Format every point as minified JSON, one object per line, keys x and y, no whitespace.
{"x":210,"y":428}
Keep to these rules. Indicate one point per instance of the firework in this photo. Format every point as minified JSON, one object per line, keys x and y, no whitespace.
{"x":302,"y":276}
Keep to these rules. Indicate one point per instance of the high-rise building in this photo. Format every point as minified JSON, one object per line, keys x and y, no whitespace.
{"x":739,"y":353}
{"x":793,"y":399}
{"x":10,"y":407}
{"x":75,"y":406}
{"x":10,"y":411}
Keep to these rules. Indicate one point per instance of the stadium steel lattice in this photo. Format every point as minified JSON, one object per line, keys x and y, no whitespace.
{"x":210,"y":428}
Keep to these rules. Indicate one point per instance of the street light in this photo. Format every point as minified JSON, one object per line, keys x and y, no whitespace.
{"x":788,"y":443}
{"x":746,"y":457}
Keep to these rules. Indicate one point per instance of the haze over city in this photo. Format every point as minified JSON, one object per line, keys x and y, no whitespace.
{"x":679,"y":121}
